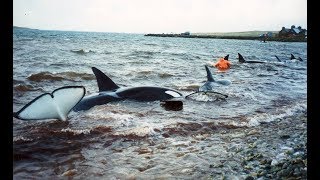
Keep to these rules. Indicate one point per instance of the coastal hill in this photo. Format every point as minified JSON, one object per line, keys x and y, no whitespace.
{"x":240,"y":34}
{"x":245,"y":35}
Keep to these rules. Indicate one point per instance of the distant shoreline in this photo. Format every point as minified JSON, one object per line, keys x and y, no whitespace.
{"x":247,"y":35}
{"x":280,"y":39}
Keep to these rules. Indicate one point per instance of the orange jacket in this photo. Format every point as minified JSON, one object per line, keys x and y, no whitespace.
{"x":222,"y":64}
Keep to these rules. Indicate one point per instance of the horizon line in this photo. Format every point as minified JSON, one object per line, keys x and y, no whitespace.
{"x":138,"y":32}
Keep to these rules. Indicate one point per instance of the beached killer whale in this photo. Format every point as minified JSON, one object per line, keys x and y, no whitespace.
{"x":60,"y":102}
{"x":211,"y":83}
{"x":109,"y":92}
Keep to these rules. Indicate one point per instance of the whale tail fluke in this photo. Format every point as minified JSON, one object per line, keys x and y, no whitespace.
{"x":104,"y":82}
{"x":241,"y":59}
{"x":55,"y":105}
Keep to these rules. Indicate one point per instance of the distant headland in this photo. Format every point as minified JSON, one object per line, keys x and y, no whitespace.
{"x":292,"y":34}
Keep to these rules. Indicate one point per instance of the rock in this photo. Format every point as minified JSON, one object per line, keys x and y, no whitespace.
{"x":283,"y":173}
{"x":285,"y":136}
{"x":254,"y":131}
{"x":71,"y":172}
{"x":249,"y":178}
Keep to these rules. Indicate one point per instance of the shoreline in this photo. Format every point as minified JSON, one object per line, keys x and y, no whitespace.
{"x":279,"y":39}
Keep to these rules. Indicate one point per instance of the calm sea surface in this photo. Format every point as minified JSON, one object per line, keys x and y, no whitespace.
{"x":122,"y":139}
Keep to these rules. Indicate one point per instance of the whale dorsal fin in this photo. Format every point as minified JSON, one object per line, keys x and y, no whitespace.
{"x":241,"y":59}
{"x":104,"y":82}
{"x":278,"y":58}
{"x":226,"y":57}
{"x":292,"y":57}
{"x":209,"y":75}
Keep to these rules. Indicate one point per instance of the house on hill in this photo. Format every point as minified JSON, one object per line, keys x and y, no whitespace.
{"x":187,"y":33}
{"x":293,"y":31}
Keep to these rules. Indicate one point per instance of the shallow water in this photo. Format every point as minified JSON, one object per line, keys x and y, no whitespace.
{"x":138,"y":139}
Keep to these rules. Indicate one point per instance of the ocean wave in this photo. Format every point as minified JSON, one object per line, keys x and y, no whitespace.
{"x":165,"y":75}
{"x":24,"y":88}
{"x":45,"y":76}
{"x":135,"y":132}
{"x":81,"y":51}
{"x":146,"y":74}
{"x":299,"y":108}
{"x":101,"y":129}
{"x":117,"y":118}
{"x":76,"y":131}
{"x":26,"y":39}
{"x":142,"y":54}
{"x":140,"y":74}
{"x":206,"y":97}
{"x":70,"y":76}
{"x":150,"y":44}
{"x":17,"y":81}
{"x":21,"y":139}
{"x":187,"y":129}
{"x":188,"y":87}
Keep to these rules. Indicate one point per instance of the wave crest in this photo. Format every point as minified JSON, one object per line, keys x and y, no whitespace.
{"x":70,"y":76}
{"x":81,"y":51}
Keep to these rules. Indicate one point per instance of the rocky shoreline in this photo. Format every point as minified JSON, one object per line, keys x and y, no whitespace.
{"x":275,"y":150}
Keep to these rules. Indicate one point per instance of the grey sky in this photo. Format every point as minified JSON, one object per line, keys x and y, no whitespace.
{"x":160,"y":16}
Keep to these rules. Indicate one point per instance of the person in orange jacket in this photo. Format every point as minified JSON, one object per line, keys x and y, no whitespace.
{"x":223,"y":64}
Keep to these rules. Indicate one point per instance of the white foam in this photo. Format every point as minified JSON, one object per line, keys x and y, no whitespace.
{"x":76,"y":131}
{"x":21,"y":138}
{"x":289,"y":111}
{"x":138,"y":131}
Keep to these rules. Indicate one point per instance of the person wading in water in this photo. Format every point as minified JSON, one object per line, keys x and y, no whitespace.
{"x":223,"y":64}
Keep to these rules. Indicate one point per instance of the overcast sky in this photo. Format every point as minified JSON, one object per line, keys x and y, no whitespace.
{"x":160,"y":16}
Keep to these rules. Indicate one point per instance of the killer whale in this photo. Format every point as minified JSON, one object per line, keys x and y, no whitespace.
{"x":211,"y":82}
{"x":292,"y":58}
{"x":242,"y":60}
{"x":109,"y":92}
{"x":60,"y":102}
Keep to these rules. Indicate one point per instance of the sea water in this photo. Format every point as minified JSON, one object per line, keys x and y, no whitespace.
{"x":130,"y":139}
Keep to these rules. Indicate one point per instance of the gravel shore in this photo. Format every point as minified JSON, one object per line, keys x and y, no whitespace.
{"x":274,"y":150}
